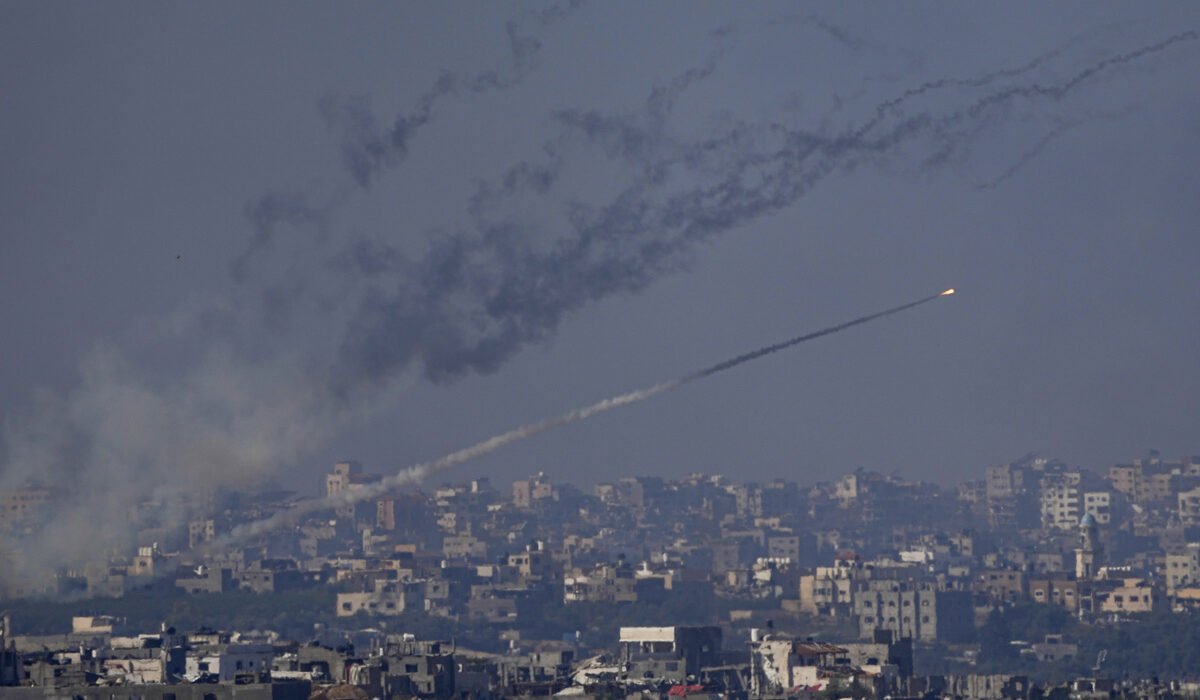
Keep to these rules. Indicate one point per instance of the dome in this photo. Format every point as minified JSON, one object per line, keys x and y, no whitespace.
{"x":1087,"y":520}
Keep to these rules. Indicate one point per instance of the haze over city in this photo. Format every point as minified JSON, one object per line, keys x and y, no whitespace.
{"x":241,"y":245}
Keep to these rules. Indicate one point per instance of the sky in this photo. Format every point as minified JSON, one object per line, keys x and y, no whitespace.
{"x":240,"y":242}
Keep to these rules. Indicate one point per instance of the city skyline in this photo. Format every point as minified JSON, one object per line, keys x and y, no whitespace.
{"x":191,"y":190}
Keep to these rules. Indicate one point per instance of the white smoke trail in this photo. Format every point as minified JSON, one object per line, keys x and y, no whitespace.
{"x":419,"y":472}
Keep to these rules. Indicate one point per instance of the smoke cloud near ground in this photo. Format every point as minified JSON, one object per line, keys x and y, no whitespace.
{"x":325,"y":321}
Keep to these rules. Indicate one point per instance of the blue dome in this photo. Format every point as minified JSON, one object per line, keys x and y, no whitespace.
{"x":1087,"y":520}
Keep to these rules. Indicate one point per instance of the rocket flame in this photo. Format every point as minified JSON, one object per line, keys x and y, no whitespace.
{"x":947,"y":293}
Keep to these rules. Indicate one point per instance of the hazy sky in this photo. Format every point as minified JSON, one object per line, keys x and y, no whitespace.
{"x":250,"y":239}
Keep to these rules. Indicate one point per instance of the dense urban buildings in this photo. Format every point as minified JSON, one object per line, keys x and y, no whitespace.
{"x":865,"y":586}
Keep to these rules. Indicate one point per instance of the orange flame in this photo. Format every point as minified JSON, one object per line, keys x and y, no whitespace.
{"x":947,"y":293}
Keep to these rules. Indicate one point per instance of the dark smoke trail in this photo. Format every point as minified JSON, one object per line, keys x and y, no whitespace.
{"x":755,"y":354}
{"x":889,"y":107}
{"x":368,"y":150}
{"x":424,"y":470}
{"x":1062,"y":126}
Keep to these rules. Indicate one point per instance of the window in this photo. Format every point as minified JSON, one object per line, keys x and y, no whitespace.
{"x":410,"y":668}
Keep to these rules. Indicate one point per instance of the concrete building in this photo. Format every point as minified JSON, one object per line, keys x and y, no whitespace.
{"x":780,"y":666}
{"x":534,"y":489}
{"x":1189,"y":506}
{"x":1063,"y":498}
{"x":913,"y":609}
{"x":349,"y":476}
{"x":604,"y":583}
{"x":1002,"y":585}
{"x":1061,"y":506}
{"x":464,"y":547}
{"x":828,"y":591}
{"x":414,"y":668}
{"x":673,"y":653}
{"x":229,"y":663}
{"x":1182,"y":569}
{"x":1145,"y":482}
{"x":387,"y":597}
{"x":1100,"y":505}
{"x":884,"y":650}
{"x":1133,"y":595}
{"x":1060,"y":590}
{"x":782,"y":547}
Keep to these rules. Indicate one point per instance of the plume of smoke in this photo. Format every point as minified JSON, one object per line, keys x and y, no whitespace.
{"x":247,"y":388}
{"x":424,"y":470}
{"x":647,"y":228}
{"x":367,"y":149}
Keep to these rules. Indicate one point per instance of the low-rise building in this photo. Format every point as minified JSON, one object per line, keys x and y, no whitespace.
{"x":229,"y":663}
{"x":672,"y":653}
{"x":1133,"y":595}
{"x":387,"y":597}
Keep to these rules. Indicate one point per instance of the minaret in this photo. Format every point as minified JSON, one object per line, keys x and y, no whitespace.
{"x":1090,"y":552}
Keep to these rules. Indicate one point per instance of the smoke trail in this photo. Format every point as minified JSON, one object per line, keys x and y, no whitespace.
{"x":482,"y":293}
{"x":251,"y":390}
{"x":368,"y":150}
{"x":1061,"y":126}
{"x":890,"y":106}
{"x":420,"y":472}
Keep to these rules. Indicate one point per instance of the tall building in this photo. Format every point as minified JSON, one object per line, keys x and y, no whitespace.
{"x":349,"y":476}
{"x":1090,"y":553}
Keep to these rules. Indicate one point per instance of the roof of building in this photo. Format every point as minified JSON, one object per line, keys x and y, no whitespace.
{"x":814,"y":648}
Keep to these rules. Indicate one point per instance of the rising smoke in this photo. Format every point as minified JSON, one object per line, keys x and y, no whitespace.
{"x":322,"y":324}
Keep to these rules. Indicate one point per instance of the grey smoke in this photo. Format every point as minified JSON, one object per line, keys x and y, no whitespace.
{"x":368,"y":149}
{"x":319,"y":330}
{"x":518,"y":295}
